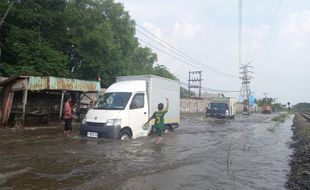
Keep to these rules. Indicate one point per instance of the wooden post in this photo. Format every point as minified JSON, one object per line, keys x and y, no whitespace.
{"x":61,"y":103}
{"x":9,"y":107}
{"x":8,"y":96}
{"x":25,"y":96}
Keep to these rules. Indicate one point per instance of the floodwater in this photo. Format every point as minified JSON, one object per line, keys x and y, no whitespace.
{"x":250,"y":152}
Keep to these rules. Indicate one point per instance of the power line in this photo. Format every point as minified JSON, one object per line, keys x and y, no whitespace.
{"x":212,"y":89}
{"x":267,"y":35}
{"x":268,"y":18}
{"x":184,"y":61}
{"x":240,"y":30}
{"x":183,"y":83}
{"x":178,"y":52}
{"x":174,"y":57}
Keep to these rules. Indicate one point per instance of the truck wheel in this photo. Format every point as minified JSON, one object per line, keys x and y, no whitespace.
{"x":124,"y":135}
{"x":167,"y":129}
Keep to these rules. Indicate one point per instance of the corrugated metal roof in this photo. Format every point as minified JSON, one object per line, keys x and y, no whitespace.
{"x":58,"y":83}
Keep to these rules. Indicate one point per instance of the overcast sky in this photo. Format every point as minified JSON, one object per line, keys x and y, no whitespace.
{"x":275,"y":39}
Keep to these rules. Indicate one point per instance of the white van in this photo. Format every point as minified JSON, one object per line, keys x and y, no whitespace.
{"x":127,"y":105}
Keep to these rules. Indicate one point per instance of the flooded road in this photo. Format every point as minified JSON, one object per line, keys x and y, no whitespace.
{"x":250,"y":152}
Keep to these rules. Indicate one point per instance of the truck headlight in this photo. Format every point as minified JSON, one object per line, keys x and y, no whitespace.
{"x":113,"y":122}
{"x":226,"y":113}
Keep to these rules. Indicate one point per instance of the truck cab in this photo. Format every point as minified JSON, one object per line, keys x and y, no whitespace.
{"x":219,"y":110}
{"x":120,"y":113}
{"x":222,"y":107}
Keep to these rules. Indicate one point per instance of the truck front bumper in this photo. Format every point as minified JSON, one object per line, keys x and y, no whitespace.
{"x":101,"y":129}
{"x":217,"y":115}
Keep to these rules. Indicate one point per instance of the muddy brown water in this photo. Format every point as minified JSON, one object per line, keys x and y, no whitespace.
{"x":194,"y":156}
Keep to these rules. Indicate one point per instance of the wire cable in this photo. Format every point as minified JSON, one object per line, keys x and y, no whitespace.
{"x":178,"y":52}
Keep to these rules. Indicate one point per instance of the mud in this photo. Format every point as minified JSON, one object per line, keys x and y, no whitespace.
{"x":250,"y":152}
{"x":299,"y":177}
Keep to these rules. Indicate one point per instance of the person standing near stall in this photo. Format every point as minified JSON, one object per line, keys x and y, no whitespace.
{"x":67,"y":116}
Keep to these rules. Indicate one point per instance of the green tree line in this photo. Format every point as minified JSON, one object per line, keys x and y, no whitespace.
{"x":73,"y":38}
{"x":272,"y":102}
{"x":302,"y":107}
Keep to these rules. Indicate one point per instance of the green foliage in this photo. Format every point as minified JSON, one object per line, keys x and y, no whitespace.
{"x":184,"y":93}
{"x":33,"y":55}
{"x":276,"y":107}
{"x":25,"y":49}
{"x":79,"y":38}
{"x":302,"y":107}
{"x":162,"y":71}
{"x":263,"y":101}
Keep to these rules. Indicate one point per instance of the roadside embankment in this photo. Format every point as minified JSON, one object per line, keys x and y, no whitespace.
{"x":299,"y":177}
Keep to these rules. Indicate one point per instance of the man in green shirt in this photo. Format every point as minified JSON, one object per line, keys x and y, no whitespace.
{"x":159,"y":123}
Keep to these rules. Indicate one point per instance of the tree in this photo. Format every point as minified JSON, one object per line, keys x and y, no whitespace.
{"x":302,"y":107}
{"x":184,"y":93}
{"x":78,"y":38}
{"x":25,"y":49}
{"x":263,"y":101}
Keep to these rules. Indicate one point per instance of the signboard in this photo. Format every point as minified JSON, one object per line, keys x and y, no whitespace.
{"x":251,"y":100}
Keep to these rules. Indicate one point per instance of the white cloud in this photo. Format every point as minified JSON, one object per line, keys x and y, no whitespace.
{"x":154,"y":29}
{"x":186,"y":30}
{"x":297,"y":28}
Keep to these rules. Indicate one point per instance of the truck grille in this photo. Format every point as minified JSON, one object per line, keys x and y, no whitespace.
{"x":96,"y":124}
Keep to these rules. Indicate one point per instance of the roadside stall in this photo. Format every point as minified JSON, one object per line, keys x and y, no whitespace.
{"x":32,"y":99}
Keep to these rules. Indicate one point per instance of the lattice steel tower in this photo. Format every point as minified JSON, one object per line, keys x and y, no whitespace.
{"x":245,"y":77}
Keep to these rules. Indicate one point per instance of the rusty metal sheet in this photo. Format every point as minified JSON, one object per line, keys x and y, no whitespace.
{"x":73,"y":84}
{"x":37,"y":83}
{"x":58,"y":83}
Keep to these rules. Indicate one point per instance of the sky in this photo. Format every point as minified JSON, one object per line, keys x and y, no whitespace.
{"x":204,"y":35}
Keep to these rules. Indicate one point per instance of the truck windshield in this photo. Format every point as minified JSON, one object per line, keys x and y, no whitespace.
{"x":113,"y":101}
{"x":218,"y":106}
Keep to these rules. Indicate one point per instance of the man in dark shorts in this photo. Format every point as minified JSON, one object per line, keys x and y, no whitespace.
{"x":67,"y":115}
{"x":159,"y":123}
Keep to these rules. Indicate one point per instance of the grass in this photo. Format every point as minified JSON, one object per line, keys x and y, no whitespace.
{"x":280,"y":118}
{"x":229,"y":159}
{"x":304,"y":135}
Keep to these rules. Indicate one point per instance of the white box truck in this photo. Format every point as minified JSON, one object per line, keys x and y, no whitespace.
{"x":222,"y":107}
{"x":127,"y":105}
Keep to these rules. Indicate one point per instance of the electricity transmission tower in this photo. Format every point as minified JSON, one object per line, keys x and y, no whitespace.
{"x":194,"y":81}
{"x":245,"y":77}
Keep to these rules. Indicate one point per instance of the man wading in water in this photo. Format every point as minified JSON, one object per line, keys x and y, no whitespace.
{"x":67,"y":116}
{"x":159,"y":120}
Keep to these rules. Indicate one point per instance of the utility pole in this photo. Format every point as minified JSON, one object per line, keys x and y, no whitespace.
{"x":3,"y":18}
{"x":240,"y":30}
{"x":289,"y":107}
{"x":194,"y":81}
{"x":245,"y":90}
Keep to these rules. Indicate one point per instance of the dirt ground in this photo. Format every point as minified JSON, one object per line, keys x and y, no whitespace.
{"x":299,"y":177}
